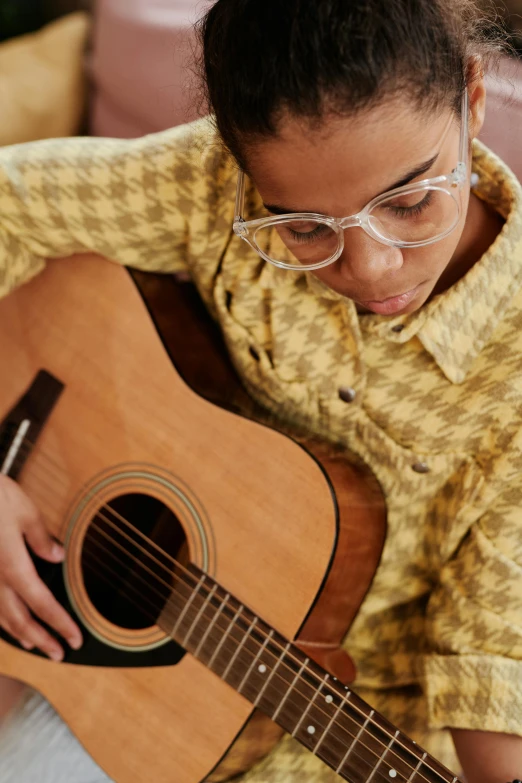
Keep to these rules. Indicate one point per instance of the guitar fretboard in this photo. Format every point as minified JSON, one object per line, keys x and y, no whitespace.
{"x":276,"y":677}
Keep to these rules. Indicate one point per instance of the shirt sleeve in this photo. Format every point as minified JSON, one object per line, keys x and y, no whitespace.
{"x":139,"y":202}
{"x":473,"y":676}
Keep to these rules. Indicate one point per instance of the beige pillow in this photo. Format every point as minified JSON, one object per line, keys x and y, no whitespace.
{"x":42,"y":81}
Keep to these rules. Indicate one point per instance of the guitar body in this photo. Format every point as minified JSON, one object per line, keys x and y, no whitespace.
{"x":241,"y":501}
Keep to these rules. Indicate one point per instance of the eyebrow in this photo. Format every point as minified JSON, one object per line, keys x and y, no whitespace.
{"x":276,"y":209}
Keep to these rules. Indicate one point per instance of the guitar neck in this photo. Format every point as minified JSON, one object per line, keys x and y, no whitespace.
{"x":301,"y":697}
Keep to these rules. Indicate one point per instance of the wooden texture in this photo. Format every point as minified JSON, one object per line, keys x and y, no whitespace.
{"x":268,"y":510}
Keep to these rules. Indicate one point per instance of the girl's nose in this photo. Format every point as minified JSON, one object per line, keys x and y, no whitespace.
{"x":365,"y":260}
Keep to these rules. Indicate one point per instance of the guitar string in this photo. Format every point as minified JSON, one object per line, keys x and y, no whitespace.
{"x":337,"y":724}
{"x":343,"y":729}
{"x":28,"y":445}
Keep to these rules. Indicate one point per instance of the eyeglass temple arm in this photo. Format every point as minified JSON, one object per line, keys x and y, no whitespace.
{"x":464,"y":141}
{"x":240,"y":197}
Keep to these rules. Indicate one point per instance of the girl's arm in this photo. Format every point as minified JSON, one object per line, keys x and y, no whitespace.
{"x":488,"y":757}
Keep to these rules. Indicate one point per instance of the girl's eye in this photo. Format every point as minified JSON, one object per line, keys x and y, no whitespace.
{"x":308,"y":236}
{"x":412,"y":210}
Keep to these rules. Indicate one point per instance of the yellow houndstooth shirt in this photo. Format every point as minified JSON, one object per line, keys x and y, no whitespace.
{"x":437,"y":410}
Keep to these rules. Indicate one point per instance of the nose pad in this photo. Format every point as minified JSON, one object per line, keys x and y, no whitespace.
{"x":364,"y":259}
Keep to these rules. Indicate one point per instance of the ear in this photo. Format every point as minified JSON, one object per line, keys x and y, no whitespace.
{"x":477,"y":95}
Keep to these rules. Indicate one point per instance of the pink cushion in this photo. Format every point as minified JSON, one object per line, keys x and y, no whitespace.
{"x":141,"y":63}
{"x":503,"y":124}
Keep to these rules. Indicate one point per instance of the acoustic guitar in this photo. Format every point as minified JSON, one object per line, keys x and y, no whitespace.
{"x":213,"y":563}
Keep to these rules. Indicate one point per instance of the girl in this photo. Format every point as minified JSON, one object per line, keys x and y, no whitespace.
{"x":363,"y":256}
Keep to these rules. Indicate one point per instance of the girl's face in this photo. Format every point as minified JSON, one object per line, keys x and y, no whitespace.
{"x":338,"y":167}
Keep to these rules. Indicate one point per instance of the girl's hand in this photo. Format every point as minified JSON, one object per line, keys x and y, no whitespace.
{"x":22,"y":592}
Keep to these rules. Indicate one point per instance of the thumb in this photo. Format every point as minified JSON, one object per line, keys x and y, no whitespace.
{"x":42,"y":543}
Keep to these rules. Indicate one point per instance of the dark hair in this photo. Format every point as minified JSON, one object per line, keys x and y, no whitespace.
{"x":264,"y":58}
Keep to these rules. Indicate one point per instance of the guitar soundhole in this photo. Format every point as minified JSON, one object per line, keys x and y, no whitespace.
{"x":127,"y":559}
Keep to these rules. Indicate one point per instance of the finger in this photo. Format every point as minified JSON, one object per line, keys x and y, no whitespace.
{"x":18,"y":622}
{"x":27,"y":584}
{"x":40,"y":541}
{"x":19,"y":507}
{"x":45,"y":606}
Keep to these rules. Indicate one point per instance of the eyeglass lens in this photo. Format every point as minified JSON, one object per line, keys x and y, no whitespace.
{"x":418,"y":216}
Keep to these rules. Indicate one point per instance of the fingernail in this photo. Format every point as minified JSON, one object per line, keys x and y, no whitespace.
{"x":56,"y":655}
{"x":57,"y":552}
{"x":75,"y":642}
{"x":27,"y":645}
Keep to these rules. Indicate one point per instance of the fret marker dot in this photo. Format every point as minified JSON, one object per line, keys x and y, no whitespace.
{"x":392,"y":773}
{"x":261,"y":668}
{"x":311,"y":729}
{"x":329,"y":699}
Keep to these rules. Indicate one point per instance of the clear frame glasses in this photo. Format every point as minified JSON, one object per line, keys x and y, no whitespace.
{"x":413,"y":215}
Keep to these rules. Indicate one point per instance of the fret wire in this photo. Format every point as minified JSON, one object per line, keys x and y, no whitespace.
{"x":315,"y":676}
{"x":355,"y":739}
{"x":205,"y":635}
{"x":225,"y":635}
{"x":385,"y":731}
{"x":352,"y":761}
{"x":310,"y":705}
{"x":359,"y":744}
{"x":239,"y":648}
{"x":320,"y":688}
{"x":402,"y":763}
{"x":290,"y":689}
{"x":255,"y":678}
{"x":422,"y":761}
{"x":383,"y":755}
{"x":414,"y":772}
{"x":187,"y":605}
{"x":258,"y":655}
{"x":344,"y":701}
{"x":344,"y":696}
{"x":259,"y":695}
{"x":205,"y":603}
{"x":355,"y":765}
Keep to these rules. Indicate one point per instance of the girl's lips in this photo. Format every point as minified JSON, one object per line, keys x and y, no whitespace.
{"x":392,"y":305}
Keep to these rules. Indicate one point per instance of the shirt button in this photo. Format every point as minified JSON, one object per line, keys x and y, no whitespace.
{"x":347,"y":394}
{"x":398,"y":328}
{"x":420,"y":467}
